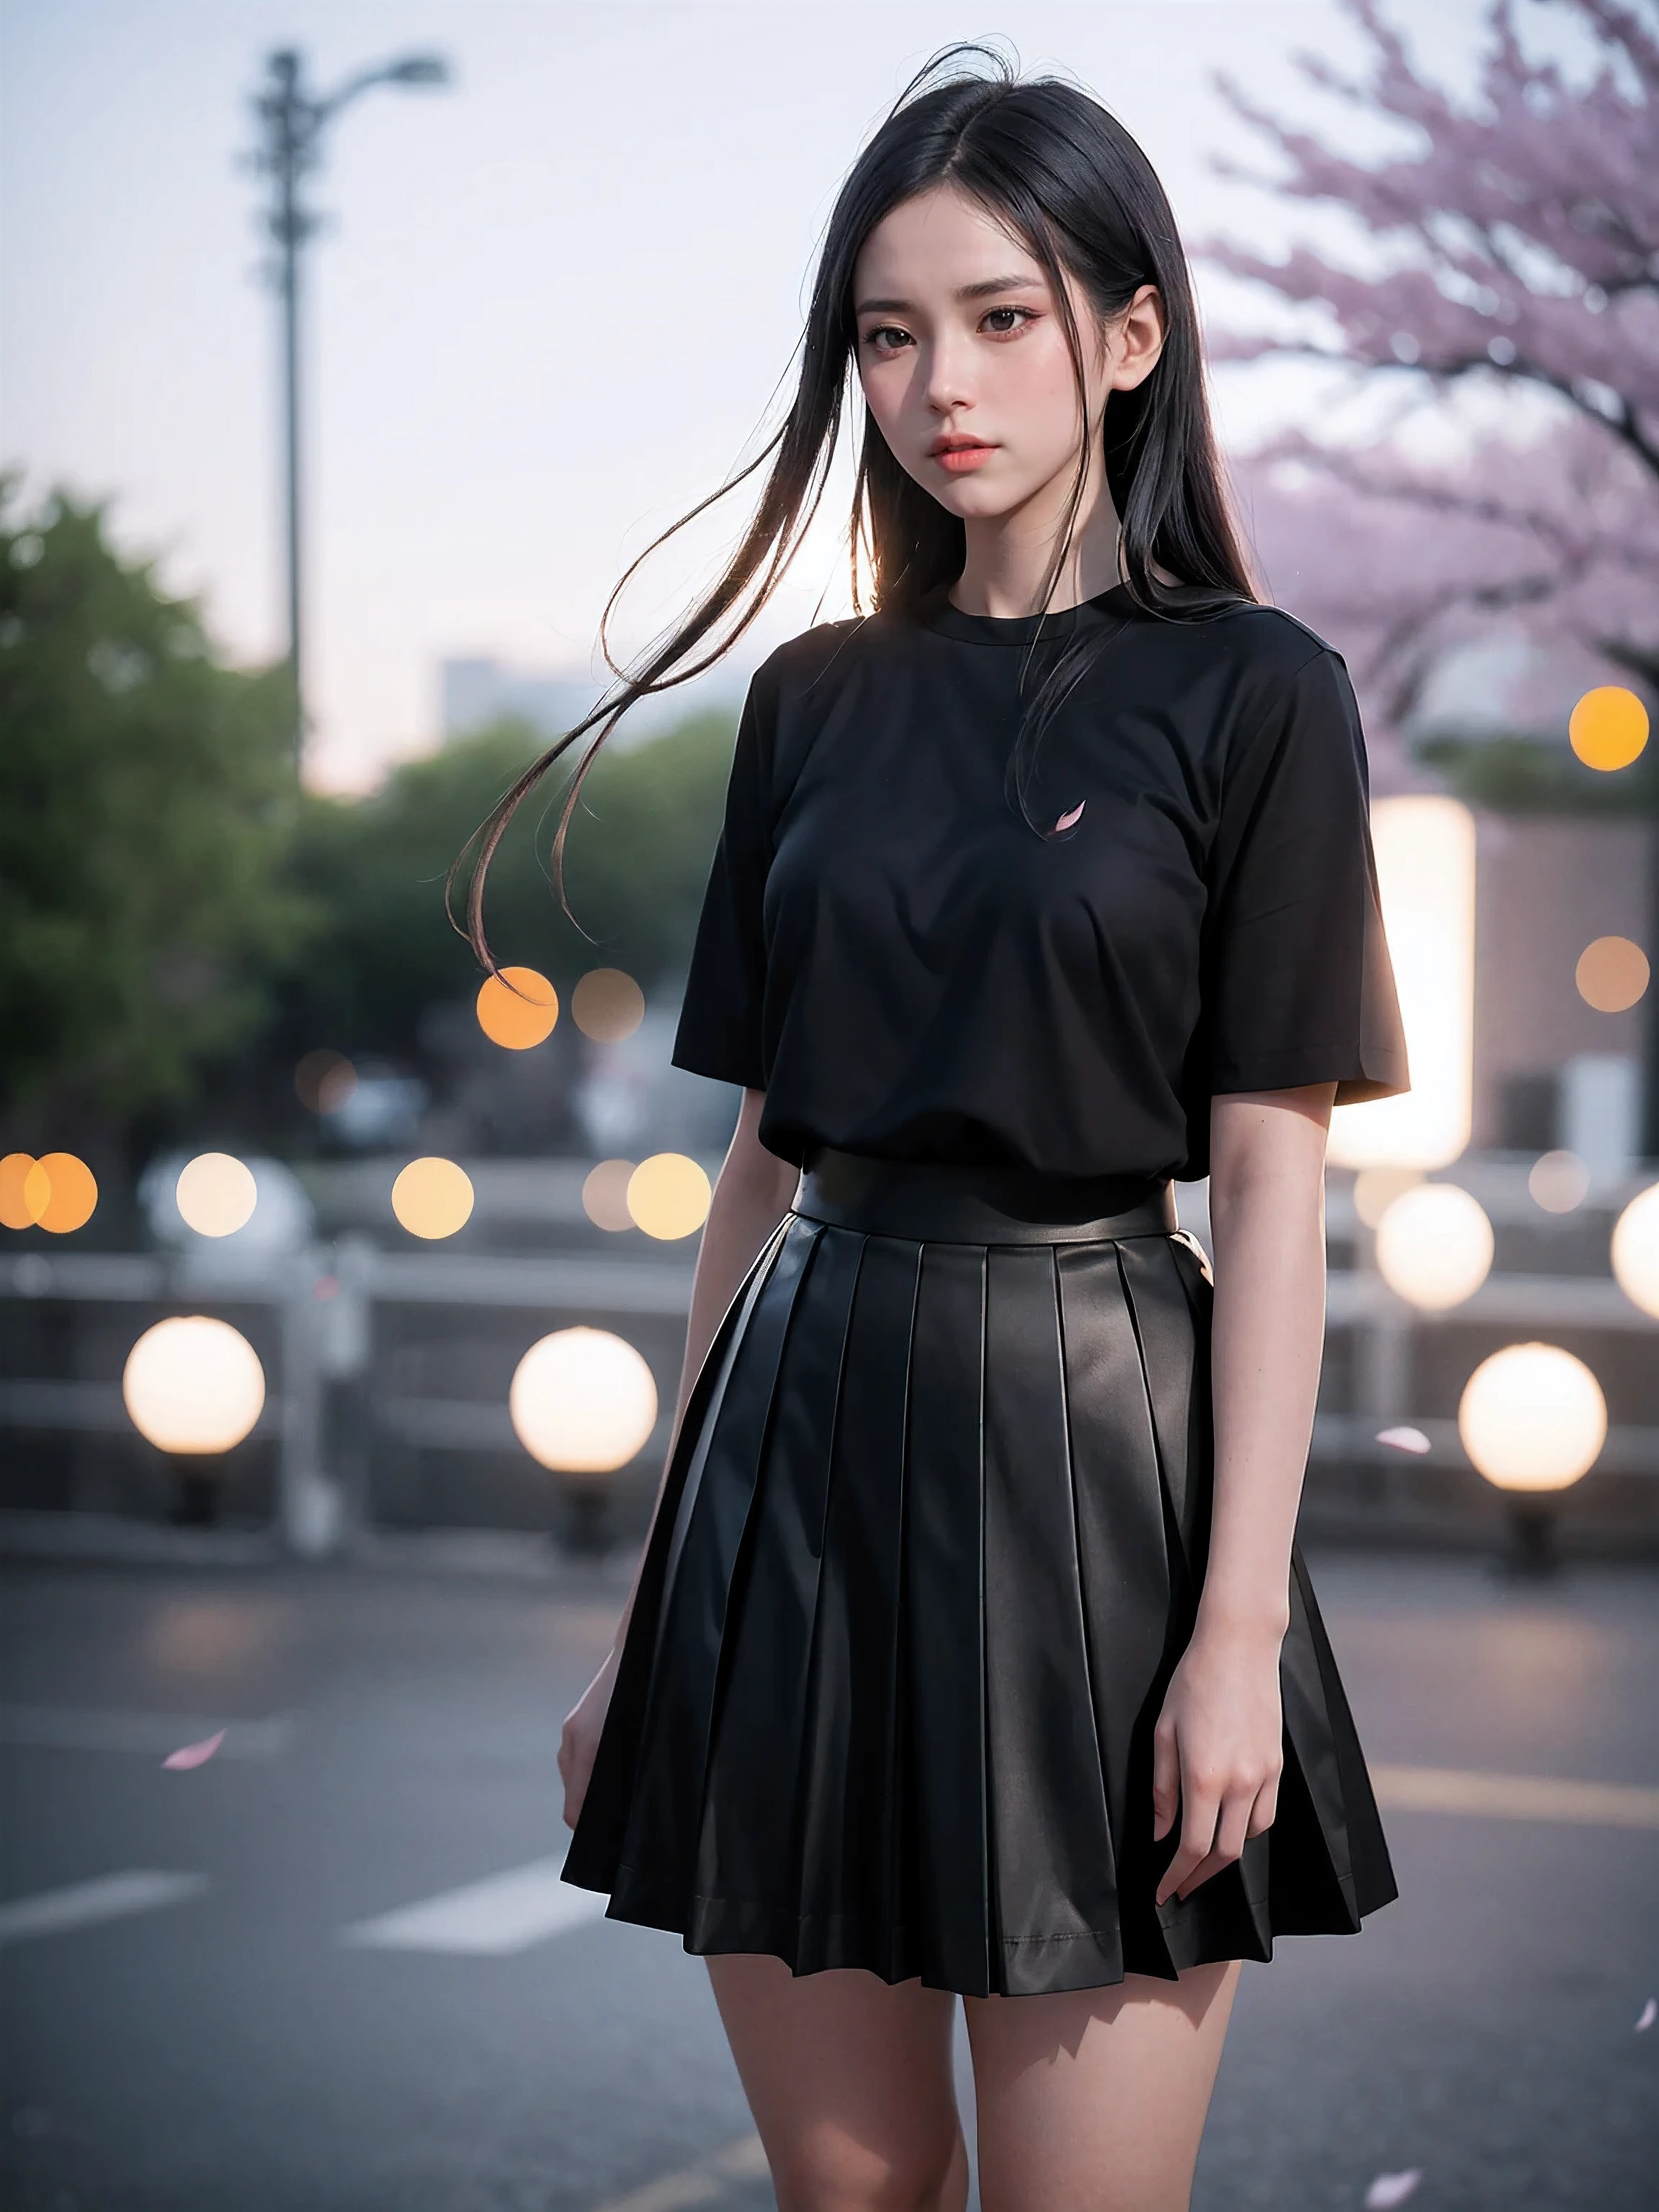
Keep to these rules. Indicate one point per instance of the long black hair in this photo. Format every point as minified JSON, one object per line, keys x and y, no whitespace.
{"x":1067,"y":179}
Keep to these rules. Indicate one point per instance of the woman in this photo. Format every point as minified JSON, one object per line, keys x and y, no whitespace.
{"x":970,"y":1655}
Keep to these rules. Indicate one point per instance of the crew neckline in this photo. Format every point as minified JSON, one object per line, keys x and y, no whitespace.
{"x":949,"y":621}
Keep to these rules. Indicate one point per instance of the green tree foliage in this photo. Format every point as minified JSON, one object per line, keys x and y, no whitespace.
{"x":636,"y":861}
{"x":146,"y":810}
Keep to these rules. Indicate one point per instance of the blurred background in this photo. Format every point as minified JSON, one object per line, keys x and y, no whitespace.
{"x":349,"y":354}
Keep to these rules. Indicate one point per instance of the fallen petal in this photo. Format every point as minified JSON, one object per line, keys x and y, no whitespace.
{"x":1406,"y":1440}
{"x":1076,"y":815}
{"x":194,"y":1754}
{"x":1392,"y":2189}
{"x":1648,"y":2014}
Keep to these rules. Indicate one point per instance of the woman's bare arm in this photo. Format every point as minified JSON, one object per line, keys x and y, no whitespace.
{"x":1218,"y":1745}
{"x":752,"y":1194}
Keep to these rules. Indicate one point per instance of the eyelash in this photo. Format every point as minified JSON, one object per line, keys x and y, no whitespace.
{"x":873,"y":337}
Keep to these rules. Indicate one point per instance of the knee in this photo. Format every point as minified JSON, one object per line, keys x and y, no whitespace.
{"x":836,"y":2174}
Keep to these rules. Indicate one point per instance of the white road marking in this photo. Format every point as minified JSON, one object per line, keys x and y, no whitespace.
{"x":72,"y":1728}
{"x":743,"y":2160}
{"x":110,"y":1897}
{"x":1514,"y":1796}
{"x":492,"y":1919}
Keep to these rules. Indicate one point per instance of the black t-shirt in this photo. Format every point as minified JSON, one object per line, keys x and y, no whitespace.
{"x":906,"y":968}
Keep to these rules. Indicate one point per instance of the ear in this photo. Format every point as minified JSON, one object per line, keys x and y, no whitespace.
{"x":1136,"y":340}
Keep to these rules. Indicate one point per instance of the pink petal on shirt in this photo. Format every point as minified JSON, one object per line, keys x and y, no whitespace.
{"x":1390,"y":2189}
{"x":194,"y":1754}
{"x":1649,"y":2013}
{"x":1065,"y":821}
{"x":1406,"y":1440}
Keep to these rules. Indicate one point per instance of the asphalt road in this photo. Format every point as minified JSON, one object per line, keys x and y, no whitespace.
{"x":216,"y":2000}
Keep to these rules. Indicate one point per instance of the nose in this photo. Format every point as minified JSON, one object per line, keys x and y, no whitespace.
{"x":950,"y":380}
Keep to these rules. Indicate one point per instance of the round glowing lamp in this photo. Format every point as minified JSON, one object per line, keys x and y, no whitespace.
{"x":194,"y":1388}
{"x":433,"y":1198}
{"x":1533,"y":1419}
{"x":668,"y":1196}
{"x":1434,"y":1246}
{"x":1635,"y":1250}
{"x":1375,"y":1190}
{"x":216,"y":1195}
{"x":518,"y":1008}
{"x":583,"y":1403}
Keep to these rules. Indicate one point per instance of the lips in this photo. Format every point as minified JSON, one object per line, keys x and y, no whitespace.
{"x":959,"y":455}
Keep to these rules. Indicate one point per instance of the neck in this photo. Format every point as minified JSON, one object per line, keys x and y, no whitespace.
{"x":1009,"y":555}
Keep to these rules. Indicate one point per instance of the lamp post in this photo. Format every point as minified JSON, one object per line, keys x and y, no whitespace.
{"x":292,"y":120}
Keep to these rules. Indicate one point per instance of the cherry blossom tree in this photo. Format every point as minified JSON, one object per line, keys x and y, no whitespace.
{"x":1512,"y":243}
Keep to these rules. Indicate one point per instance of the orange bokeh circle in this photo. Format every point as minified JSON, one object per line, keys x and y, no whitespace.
{"x":1611,"y":974}
{"x":1608,"y":727}
{"x":521,"y":1016}
{"x":58,"y":1193}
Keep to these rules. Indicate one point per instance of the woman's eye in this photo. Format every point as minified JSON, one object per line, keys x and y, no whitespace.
{"x":1002,"y":322}
{"x":887,"y":338}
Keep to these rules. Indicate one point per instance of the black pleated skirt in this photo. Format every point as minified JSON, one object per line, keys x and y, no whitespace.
{"x":930,"y":1547}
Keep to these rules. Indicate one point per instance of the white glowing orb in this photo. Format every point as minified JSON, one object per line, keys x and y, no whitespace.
{"x":193,"y":1384}
{"x":216,"y":1195}
{"x":1434,"y":1246}
{"x":583,"y":1402}
{"x":1533,"y":1417}
{"x":1635,"y":1250}
{"x":1424,"y":848}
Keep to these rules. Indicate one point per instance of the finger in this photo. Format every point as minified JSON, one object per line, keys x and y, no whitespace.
{"x":1197,"y":1838}
{"x":1232,"y":1831}
{"x":1264,"y":1809}
{"x":1166,"y":1781}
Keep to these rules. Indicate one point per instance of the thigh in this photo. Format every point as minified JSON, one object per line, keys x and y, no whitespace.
{"x":850,"y":2083}
{"x":1094,"y":2100}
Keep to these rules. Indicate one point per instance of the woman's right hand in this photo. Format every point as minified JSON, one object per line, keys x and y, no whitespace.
{"x":580,"y":1738}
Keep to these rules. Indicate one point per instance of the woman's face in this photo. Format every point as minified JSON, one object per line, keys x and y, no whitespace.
{"x":964,"y":362}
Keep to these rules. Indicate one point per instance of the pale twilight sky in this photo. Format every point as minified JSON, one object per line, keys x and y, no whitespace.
{"x":553,"y":304}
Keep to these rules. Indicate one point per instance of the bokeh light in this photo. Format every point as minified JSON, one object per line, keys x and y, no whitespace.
{"x":15,"y":1211}
{"x":668,"y":1196}
{"x":58,"y":1193}
{"x":1533,"y":1417}
{"x":583,"y":1402}
{"x":1375,"y":1190}
{"x":215,"y":1194}
{"x":1608,"y":727}
{"x":1559,"y":1182}
{"x":324,"y":1081}
{"x":1434,"y":1246}
{"x":605,"y":1195}
{"x":193,"y":1384}
{"x":1635,"y":1250}
{"x":1425,"y":856}
{"x":1612,"y":974}
{"x":520,"y":1016}
{"x":433,"y":1198}
{"x":607,"y":1004}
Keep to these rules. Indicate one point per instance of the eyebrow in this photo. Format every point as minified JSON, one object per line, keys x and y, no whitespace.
{"x":982,"y":291}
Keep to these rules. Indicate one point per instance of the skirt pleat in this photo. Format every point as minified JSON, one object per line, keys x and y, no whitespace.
{"x":929,"y":1550}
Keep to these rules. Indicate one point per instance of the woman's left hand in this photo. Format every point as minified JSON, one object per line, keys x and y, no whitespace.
{"x":1218,"y":1752}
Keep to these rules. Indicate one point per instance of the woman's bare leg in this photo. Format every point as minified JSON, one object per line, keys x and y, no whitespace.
{"x":850,"y":2083}
{"x":1095,"y":2102}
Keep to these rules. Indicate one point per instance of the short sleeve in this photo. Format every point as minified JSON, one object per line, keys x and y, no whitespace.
{"x":720,"y":1027}
{"x":1299,"y":987}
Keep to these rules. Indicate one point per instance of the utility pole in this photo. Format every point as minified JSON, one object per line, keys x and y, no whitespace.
{"x":291,"y":121}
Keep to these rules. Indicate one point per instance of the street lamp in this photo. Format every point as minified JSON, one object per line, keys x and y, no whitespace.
{"x":292,"y":120}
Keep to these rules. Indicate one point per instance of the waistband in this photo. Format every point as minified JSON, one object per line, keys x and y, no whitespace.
{"x":930,"y":1201}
